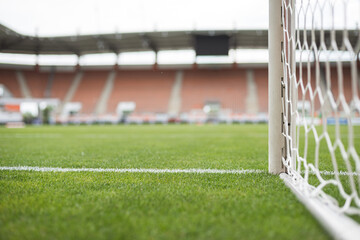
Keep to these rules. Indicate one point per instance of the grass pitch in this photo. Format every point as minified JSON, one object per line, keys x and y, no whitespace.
{"x":87,"y":205}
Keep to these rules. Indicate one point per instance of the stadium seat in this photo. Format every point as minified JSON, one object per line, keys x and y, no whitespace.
{"x":8,"y":79}
{"x":150,"y":90}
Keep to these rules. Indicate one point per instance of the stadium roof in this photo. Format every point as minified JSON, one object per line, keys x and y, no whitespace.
{"x":13,"y":42}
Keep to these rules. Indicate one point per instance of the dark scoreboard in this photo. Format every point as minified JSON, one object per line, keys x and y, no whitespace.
{"x":217,"y":45}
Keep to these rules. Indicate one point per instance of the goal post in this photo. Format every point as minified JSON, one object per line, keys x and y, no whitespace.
{"x":281,"y":66}
{"x":275,"y":71}
{"x":314,"y":51}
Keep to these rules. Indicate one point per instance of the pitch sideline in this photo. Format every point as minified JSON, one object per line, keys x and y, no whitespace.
{"x":130,"y":170}
{"x":150,"y":170}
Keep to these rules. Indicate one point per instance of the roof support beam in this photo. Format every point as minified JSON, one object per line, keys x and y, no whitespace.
{"x":70,"y":48}
{"x":112,"y":47}
{"x":148,"y":42}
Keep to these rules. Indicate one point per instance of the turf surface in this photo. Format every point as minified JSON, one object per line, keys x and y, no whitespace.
{"x":86,"y":205}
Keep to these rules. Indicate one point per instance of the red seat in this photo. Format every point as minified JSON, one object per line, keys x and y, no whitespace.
{"x":227,"y":86}
{"x":8,"y":79}
{"x":150,"y":90}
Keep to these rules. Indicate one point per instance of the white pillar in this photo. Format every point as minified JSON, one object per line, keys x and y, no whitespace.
{"x":276,"y":140}
{"x":293,"y":89}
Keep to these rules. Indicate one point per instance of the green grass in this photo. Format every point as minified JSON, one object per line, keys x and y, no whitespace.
{"x":86,"y":205}
{"x":182,"y":146}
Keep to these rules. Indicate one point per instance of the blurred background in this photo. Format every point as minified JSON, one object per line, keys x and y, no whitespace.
{"x":136,"y":61}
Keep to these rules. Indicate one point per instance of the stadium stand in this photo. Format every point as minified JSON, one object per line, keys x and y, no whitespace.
{"x":261,"y":80}
{"x":9,"y":80}
{"x":37,"y":82}
{"x":335,"y":77}
{"x":89,"y":90}
{"x":150,"y":90}
{"x":346,"y":78}
{"x":226,"y":86}
{"x":305,"y":96}
{"x":232,"y":91}
{"x":61,"y":84}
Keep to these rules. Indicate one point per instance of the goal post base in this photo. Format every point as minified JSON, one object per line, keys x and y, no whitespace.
{"x":338,"y":225}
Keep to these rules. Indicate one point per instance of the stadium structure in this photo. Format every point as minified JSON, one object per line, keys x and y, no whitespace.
{"x":227,"y":92}
{"x":230,"y":92}
{"x":307,"y":93}
{"x":156,"y":93}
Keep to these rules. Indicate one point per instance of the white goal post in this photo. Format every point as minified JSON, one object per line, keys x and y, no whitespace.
{"x":314,"y":52}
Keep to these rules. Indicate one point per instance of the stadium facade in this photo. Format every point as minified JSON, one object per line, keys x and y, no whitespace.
{"x":156,"y":93}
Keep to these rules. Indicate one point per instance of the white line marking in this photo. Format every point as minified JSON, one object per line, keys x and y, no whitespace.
{"x":152,"y":170}
{"x":341,"y":173}
{"x":129,"y":170}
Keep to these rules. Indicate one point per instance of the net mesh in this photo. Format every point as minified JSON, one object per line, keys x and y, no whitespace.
{"x":320,"y":101}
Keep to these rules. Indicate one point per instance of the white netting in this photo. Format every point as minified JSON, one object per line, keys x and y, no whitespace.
{"x":320,"y":101}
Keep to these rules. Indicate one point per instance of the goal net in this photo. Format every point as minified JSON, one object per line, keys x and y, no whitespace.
{"x":314,"y":104}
